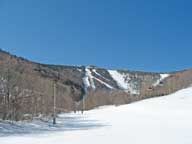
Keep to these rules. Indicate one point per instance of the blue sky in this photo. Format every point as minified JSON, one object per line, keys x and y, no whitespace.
{"x":143,"y":35}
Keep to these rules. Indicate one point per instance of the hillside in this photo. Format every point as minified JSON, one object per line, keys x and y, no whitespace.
{"x":163,"y":120}
{"x":27,"y":88}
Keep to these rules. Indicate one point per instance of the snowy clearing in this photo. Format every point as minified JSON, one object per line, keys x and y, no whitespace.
{"x":163,"y":120}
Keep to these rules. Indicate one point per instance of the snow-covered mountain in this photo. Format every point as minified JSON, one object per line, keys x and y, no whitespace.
{"x":28,"y":88}
{"x":163,"y":120}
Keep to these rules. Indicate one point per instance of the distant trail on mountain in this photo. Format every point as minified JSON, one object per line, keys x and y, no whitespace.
{"x":26,"y":88}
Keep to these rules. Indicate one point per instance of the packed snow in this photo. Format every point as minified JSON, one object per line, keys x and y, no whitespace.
{"x":122,"y":81}
{"x":162,"y":120}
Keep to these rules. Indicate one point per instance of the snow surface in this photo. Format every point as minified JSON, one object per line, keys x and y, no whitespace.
{"x":162,"y":77}
{"x":162,"y":120}
{"x":122,"y":81}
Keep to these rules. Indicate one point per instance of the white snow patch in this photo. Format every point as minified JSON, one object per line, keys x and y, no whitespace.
{"x":104,"y":83}
{"x":88,"y":79}
{"x":94,"y":70}
{"x":119,"y":78}
{"x":89,"y":74}
{"x":122,"y":81}
{"x":80,"y":70}
{"x":162,"y":77}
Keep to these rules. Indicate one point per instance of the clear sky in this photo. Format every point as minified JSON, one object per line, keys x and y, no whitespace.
{"x":148,"y":35}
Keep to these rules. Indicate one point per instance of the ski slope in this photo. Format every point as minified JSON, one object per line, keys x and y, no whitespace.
{"x":123,"y":81}
{"x":163,"y":120}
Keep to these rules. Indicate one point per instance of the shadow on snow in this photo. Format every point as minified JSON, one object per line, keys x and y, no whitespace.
{"x":65,"y":122}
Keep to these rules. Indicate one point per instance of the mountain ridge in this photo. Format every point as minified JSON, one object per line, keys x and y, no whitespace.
{"x":67,"y":65}
{"x":26,"y":87}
